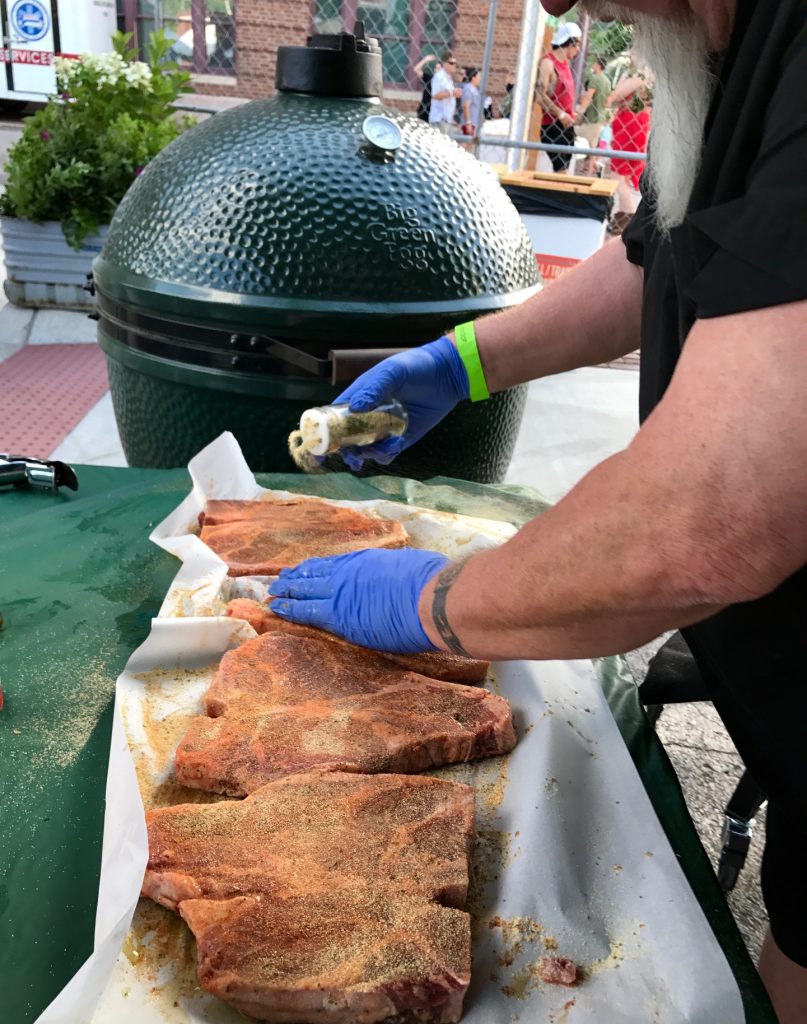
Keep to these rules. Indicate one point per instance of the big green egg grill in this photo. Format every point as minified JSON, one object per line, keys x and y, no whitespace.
{"x":270,"y":254}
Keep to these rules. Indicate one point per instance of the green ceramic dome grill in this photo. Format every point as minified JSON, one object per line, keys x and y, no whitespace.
{"x":271,"y":253}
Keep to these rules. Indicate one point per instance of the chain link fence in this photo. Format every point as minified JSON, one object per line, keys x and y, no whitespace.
{"x":483,"y":43}
{"x":507,"y":92}
{"x":416,"y":34}
{"x":609,"y":104}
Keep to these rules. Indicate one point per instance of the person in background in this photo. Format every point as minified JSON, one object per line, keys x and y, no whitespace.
{"x":470,"y":101}
{"x":426,"y":74}
{"x":592,"y":111}
{"x":555,"y":93}
{"x":700,"y":524}
{"x":507,"y":103}
{"x":631,"y":98}
{"x":445,"y":94}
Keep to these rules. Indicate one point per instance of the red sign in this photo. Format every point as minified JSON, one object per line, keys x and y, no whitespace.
{"x":39,"y":57}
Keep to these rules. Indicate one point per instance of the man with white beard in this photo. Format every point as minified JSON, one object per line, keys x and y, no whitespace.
{"x":701,"y":523}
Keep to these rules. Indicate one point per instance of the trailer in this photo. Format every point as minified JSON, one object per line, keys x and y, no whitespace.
{"x":37,"y":31}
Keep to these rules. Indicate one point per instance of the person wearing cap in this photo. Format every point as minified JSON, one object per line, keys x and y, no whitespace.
{"x":700,"y":524}
{"x":445,"y":93}
{"x":555,"y":93}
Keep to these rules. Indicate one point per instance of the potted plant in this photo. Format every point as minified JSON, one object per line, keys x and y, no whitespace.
{"x":74,"y":161}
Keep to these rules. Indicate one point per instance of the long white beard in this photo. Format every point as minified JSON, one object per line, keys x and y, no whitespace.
{"x":676,"y":52}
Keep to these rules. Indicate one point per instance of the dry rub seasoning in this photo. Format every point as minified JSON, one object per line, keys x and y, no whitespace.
{"x":326,"y":429}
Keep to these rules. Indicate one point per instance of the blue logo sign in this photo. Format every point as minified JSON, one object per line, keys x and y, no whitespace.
{"x":31,"y":19}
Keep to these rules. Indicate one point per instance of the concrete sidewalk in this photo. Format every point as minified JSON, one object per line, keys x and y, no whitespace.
{"x":572,"y":422}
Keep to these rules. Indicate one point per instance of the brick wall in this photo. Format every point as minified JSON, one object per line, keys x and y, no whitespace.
{"x":470,"y":31}
{"x":263,"y":25}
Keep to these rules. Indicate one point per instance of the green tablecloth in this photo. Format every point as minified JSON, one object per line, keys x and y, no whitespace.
{"x":79,"y":584}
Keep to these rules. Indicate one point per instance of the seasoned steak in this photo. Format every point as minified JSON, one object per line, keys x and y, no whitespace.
{"x":409,"y":726}
{"x":313,"y":833}
{"x":278,"y":669}
{"x":280,"y":704}
{"x":436,"y":664}
{"x":316,"y":898}
{"x":259,"y":538}
{"x":338,"y":957}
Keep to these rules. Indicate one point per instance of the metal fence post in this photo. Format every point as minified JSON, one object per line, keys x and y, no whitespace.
{"x":483,"y":84}
{"x":532,"y":30}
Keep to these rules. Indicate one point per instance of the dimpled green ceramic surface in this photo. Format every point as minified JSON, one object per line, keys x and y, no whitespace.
{"x":277,"y":206}
{"x":279,"y":221}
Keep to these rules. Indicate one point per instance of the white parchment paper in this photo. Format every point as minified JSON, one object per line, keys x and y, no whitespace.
{"x":571,"y":858}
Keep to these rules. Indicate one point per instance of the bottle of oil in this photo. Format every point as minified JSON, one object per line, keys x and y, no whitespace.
{"x":326,"y":429}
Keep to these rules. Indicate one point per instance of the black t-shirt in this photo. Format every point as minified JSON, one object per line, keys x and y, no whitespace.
{"x":743,"y":246}
{"x":426,"y":98}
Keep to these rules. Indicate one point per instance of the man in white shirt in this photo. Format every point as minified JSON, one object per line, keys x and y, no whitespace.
{"x":445,"y":94}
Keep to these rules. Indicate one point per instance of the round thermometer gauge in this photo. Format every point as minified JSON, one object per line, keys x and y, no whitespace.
{"x":382,"y":132}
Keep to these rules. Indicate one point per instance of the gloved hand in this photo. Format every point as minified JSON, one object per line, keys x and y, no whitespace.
{"x":428,"y":380}
{"x":369,"y":597}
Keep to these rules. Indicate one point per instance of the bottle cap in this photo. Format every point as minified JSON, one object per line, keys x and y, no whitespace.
{"x":314,"y":425}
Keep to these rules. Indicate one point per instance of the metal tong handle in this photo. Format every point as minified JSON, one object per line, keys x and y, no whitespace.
{"x":23,"y":471}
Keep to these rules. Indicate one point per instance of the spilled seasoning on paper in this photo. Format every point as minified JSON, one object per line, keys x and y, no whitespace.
{"x":490,"y":793}
{"x":564,"y":1013}
{"x":185,"y":602}
{"x":162,"y":951}
{"x":165,"y":715}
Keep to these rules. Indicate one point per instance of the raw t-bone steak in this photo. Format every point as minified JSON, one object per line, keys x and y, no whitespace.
{"x":320,"y":897}
{"x":280,"y":705}
{"x":259,"y":538}
{"x":436,"y":664}
{"x":278,"y":669}
{"x":407,"y":727}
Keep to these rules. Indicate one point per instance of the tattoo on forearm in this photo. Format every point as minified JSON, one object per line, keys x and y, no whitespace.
{"x":445,"y":581}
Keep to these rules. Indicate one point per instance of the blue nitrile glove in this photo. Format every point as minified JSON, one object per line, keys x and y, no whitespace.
{"x":428,"y":380}
{"x":369,"y":597}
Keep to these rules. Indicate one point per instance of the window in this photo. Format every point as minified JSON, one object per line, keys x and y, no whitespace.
{"x":406,"y":30}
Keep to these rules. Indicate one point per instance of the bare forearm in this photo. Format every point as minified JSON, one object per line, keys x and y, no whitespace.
{"x":705,"y":508}
{"x":546,"y":102}
{"x":591,"y":314}
{"x":590,"y":577}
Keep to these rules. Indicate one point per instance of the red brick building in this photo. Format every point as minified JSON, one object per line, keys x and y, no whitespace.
{"x":231,"y":45}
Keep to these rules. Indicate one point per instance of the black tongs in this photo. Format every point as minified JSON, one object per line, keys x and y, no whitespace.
{"x":22,"y":471}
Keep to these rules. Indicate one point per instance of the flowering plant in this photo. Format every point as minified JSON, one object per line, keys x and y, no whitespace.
{"x":78,"y":155}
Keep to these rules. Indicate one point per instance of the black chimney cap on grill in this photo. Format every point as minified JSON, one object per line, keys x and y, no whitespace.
{"x":332,"y":65}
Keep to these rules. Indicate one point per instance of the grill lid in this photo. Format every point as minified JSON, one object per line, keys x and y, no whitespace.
{"x":317,"y":216}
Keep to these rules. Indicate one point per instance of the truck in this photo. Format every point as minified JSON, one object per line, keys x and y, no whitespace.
{"x":37,"y":31}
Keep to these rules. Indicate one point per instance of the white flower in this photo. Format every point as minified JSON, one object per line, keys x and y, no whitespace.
{"x":66,"y":70}
{"x":139,"y":75}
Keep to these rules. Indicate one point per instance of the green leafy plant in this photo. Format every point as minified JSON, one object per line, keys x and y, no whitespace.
{"x":608,"y":39}
{"x":79,"y":154}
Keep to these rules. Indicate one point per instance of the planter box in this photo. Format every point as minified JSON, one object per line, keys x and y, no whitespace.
{"x":42,"y":271}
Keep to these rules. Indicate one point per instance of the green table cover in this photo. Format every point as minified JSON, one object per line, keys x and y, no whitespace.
{"x":79,"y":584}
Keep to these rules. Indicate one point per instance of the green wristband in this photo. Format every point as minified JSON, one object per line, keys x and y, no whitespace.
{"x":469,"y":354}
